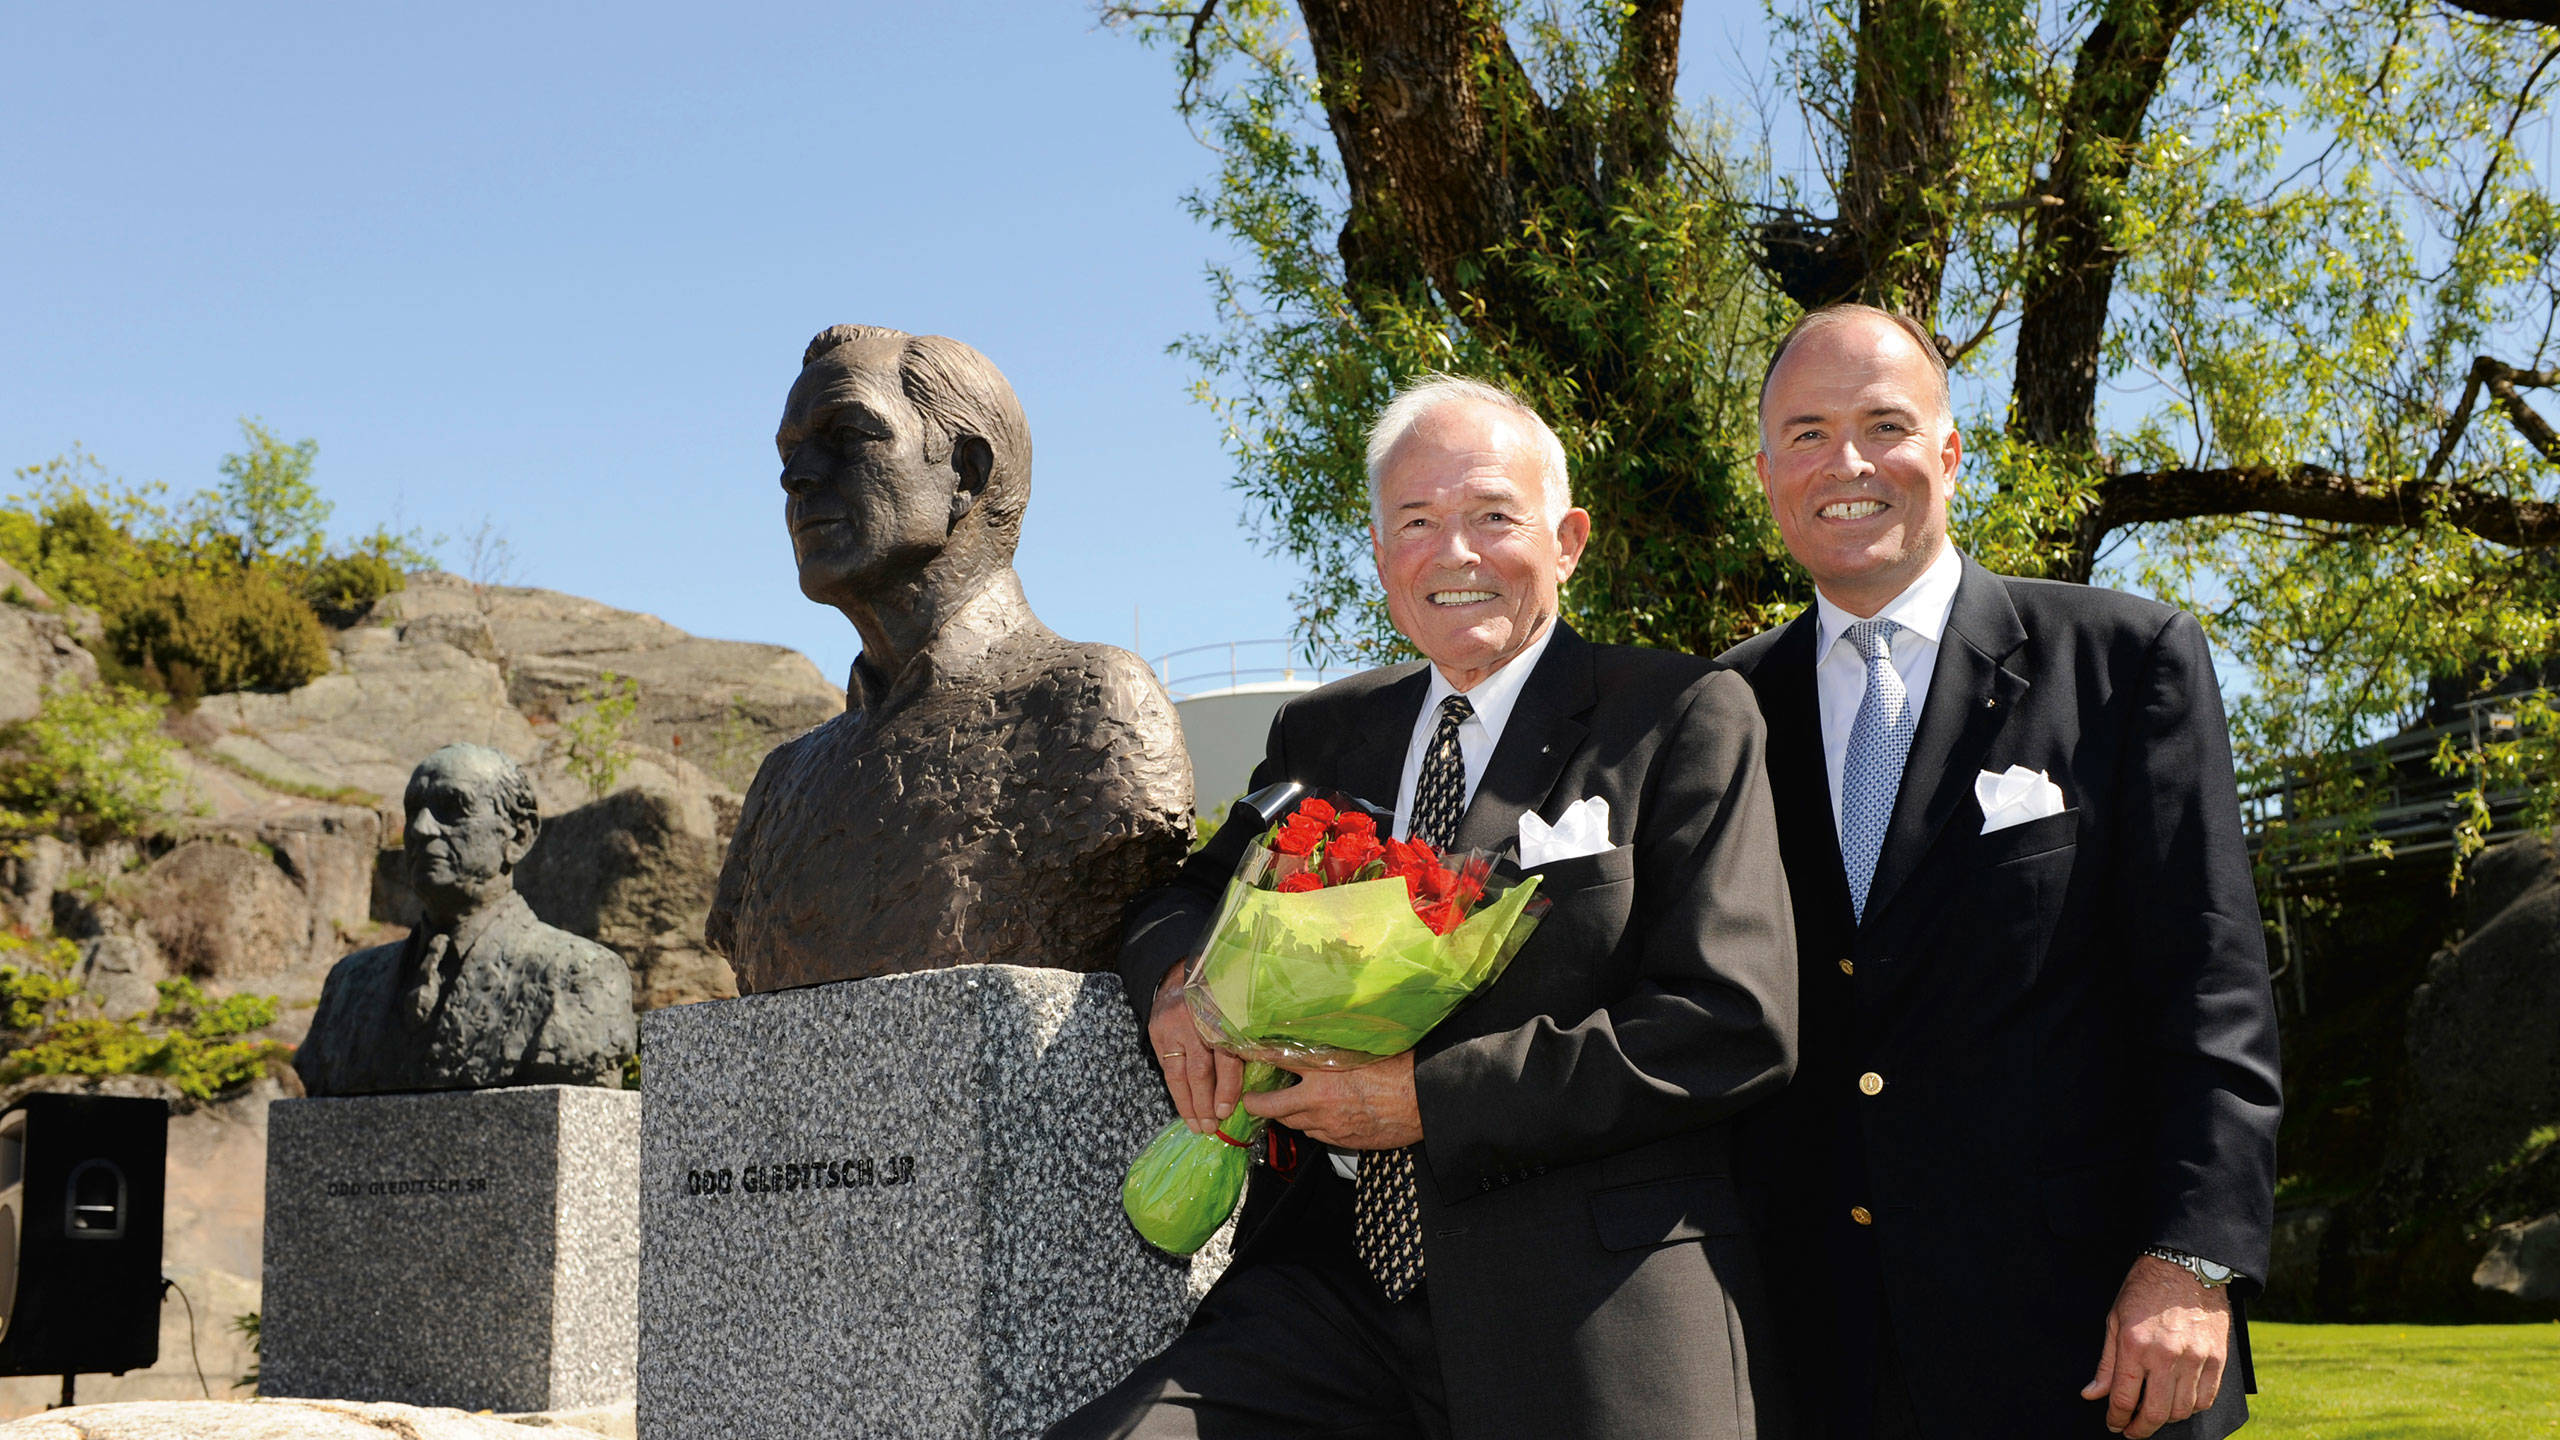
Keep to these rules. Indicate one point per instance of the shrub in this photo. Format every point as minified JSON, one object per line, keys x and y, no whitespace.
{"x":188,"y":1039}
{"x":341,"y":588}
{"x":93,"y":758}
{"x":595,"y":733}
{"x":234,"y":629}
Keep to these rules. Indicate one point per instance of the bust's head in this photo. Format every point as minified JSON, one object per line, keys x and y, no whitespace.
{"x":898,"y":450}
{"x":471,"y":818}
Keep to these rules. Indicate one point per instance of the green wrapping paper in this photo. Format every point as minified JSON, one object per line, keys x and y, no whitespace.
{"x":1184,"y":1185}
{"x":1328,"y":978}
{"x":1343,"y":976}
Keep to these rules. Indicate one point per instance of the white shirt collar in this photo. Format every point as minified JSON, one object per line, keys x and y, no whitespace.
{"x":1922,"y":608}
{"x":1494,"y":695}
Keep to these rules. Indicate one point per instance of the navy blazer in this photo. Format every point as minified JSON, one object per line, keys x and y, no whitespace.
{"x":2068,"y":1022}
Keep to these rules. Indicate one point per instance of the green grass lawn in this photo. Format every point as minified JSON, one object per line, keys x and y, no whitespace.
{"x":2405,"y":1382}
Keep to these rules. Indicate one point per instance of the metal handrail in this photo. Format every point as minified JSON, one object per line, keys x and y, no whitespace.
{"x":1236,"y":672}
{"x":2415,"y":809}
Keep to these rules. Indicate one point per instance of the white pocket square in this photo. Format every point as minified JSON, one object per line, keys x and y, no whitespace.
{"x":1583,"y":829}
{"x":2015,"y":796}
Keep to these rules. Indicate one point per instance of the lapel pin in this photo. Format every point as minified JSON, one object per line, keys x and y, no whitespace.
{"x":1990,"y":702}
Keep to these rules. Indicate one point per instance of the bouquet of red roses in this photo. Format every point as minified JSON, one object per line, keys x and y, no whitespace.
{"x":1333,"y":947}
{"x":1336,"y":947}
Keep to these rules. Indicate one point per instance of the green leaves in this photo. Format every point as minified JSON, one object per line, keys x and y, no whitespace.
{"x":49,"y":1026}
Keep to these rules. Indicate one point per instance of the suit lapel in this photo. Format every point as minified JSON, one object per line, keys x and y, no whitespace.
{"x":1970,"y":698}
{"x":1371,"y":762}
{"x":1799,"y":782}
{"x":1542,"y":734}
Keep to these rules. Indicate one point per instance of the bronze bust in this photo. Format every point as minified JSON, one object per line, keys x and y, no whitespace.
{"x":481,"y":994}
{"x":992,"y":793}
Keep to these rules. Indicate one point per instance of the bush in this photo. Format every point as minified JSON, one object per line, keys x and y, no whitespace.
{"x":188,"y":1039}
{"x":230,"y":630}
{"x":93,"y":758}
{"x":595,"y":733}
{"x":343,"y":587}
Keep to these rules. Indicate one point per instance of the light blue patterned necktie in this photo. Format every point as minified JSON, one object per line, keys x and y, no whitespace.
{"x":1879,"y":741}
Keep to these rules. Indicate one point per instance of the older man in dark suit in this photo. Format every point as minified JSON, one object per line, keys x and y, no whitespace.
{"x":2026,"y":1168}
{"x":1559,"y":1146}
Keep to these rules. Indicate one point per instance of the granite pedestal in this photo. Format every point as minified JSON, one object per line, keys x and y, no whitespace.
{"x":474,"y":1248}
{"x":891,"y":1208}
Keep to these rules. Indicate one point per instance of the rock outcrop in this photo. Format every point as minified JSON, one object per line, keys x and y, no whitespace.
{"x":2462,"y":1220}
{"x":719,"y":704}
{"x":39,"y":646}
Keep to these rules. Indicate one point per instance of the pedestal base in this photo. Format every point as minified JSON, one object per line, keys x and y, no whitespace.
{"x":477,"y":1249}
{"x":891,"y":1207}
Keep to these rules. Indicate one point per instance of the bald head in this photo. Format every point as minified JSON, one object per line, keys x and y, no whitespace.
{"x":1874,"y":331}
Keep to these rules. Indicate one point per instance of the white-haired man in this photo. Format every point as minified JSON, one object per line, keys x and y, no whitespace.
{"x":1539,"y":1232}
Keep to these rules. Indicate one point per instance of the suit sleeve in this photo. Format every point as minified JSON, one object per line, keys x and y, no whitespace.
{"x":2187,"y":914}
{"x":1165,"y":924}
{"x":1709,"y":1024}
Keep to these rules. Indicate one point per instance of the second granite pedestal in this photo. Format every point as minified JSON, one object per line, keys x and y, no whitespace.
{"x":473,"y":1248}
{"x":891,"y":1208}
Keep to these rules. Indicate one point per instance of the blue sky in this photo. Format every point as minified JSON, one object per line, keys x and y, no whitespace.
{"x":552,"y":266}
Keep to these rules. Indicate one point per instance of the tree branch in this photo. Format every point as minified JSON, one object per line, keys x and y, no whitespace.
{"x":2502,"y":381}
{"x":2312,"y":492}
{"x":2534,"y":12}
{"x":1639,"y":143}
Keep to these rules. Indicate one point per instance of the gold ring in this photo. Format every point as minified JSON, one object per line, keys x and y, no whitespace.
{"x":1170,"y":1055}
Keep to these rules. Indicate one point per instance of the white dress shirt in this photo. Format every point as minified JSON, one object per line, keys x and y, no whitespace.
{"x":1840,"y":672}
{"x":1493,"y":698}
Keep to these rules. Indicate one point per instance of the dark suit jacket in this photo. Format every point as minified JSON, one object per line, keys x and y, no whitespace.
{"x":1582,"y":1236}
{"x":2070,"y":1017}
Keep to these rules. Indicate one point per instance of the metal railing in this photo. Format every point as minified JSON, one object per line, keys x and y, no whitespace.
{"x":2415,"y":809}
{"x":1189,"y":671}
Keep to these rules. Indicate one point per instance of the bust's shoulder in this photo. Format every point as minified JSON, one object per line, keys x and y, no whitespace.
{"x":1090,"y":671}
{"x":373,"y":967}
{"x":530,"y":942}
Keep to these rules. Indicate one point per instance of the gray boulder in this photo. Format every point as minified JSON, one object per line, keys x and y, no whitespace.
{"x":634,"y":871}
{"x":2523,"y":1260}
{"x":38,"y":647}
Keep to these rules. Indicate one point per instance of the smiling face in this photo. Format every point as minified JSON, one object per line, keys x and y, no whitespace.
{"x":1858,"y":458}
{"x":460,"y":844}
{"x":865,"y":507}
{"x":1471,"y":569}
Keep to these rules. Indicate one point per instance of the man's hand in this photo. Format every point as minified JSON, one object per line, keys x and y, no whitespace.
{"x":1371,"y":1108}
{"x":1204,"y":1083}
{"x":2167,"y":1339}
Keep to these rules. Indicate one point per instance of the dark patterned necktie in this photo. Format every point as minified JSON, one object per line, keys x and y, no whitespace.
{"x":1386,"y":1210}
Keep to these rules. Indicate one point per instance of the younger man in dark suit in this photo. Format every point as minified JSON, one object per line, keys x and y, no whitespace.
{"x":2026,"y":1168}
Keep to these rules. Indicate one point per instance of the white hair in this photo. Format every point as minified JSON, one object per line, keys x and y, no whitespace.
{"x":1427,"y":393}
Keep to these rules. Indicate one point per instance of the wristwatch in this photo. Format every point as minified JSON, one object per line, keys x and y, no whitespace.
{"x":2210,"y":1275}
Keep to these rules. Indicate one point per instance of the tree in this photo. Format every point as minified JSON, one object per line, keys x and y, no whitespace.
{"x":2246,"y":298}
{"x":267,"y":496}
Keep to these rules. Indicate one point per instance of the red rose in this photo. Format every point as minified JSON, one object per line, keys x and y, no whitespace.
{"x":1301,"y":883}
{"x":1352,"y":822}
{"x":1344,"y":855}
{"x":1320,"y":811}
{"x":1294,"y":841}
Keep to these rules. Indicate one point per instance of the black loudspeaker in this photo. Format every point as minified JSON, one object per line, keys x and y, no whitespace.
{"x":81,"y":1184}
